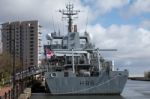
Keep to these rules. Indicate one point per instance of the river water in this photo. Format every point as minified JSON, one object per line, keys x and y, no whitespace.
{"x":133,"y":90}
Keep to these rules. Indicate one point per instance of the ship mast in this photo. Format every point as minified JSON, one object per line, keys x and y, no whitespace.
{"x":69,"y":13}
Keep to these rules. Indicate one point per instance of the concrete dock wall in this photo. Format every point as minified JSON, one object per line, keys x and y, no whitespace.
{"x":26,"y":94}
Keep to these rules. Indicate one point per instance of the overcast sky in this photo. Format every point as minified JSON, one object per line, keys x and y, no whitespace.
{"x":119,"y":24}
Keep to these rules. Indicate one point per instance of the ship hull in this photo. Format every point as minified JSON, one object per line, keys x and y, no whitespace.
{"x":111,"y":84}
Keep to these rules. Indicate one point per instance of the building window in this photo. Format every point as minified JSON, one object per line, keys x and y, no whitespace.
{"x":31,"y":48}
{"x":31,"y":34}
{"x":31,"y":56}
{"x":31,"y":27}
{"x":31,"y":45}
{"x":31,"y":59}
{"x":31,"y":38}
{"x":31,"y":41}
{"x":31,"y":63}
{"x":31,"y":31}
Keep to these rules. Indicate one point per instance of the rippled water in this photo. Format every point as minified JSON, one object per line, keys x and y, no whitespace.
{"x":133,"y":90}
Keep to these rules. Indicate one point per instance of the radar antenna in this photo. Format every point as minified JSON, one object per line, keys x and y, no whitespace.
{"x":69,"y":13}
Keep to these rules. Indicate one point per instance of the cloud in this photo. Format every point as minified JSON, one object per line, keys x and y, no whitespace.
{"x":37,"y":10}
{"x":132,"y":42}
{"x":145,"y":24}
{"x":139,"y":7}
{"x":105,"y":6}
{"x":108,"y":5}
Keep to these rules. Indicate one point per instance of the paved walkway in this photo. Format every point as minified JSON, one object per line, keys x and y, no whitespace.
{"x":3,"y":90}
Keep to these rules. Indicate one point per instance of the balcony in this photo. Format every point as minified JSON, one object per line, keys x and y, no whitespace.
{"x":40,"y":32}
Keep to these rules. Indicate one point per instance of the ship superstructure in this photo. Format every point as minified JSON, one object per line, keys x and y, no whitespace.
{"x":75,"y":66}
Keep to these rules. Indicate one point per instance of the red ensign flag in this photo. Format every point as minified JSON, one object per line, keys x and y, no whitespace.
{"x":49,"y":53}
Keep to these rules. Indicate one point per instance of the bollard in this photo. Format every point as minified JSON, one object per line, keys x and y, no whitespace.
{"x":5,"y":95}
{"x":9,"y":94}
{"x":17,"y":94}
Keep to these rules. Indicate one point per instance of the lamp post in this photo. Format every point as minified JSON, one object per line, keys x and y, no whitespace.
{"x":13,"y":65}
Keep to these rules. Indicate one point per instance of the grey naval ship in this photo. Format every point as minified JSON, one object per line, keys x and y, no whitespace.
{"x":75,"y":66}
